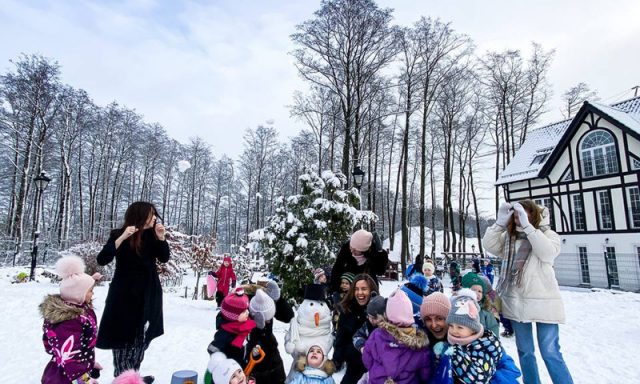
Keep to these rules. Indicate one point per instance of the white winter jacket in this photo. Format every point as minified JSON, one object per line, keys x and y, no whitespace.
{"x":538,"y":298}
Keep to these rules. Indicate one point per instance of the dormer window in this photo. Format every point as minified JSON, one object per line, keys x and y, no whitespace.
{"x":541,"y":158}
{"x":598,"y":154}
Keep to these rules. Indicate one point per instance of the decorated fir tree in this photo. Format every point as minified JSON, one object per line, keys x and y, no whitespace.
{"x":308,"y":229}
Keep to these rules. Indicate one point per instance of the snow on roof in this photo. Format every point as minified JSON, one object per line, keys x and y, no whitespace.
{"x":538,"y":146}
{"x":630,"y":120}
{"x":530,"y":158}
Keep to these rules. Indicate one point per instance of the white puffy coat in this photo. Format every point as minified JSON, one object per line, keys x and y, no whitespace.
{"x":538,"y":298}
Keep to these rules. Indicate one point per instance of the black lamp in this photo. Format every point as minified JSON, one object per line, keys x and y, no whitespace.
{"x":358,"y":177}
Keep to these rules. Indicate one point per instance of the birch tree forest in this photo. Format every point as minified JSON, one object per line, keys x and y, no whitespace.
{"x":415,"y":106}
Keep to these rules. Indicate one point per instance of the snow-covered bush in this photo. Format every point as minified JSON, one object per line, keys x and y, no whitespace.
{"x":308,"y":229}
{"x":88,"y":252}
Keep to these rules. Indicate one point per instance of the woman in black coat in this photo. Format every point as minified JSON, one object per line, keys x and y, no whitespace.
{"x":132,"y":314}
{"x":363,"y":253}
{"x":353,"y":314}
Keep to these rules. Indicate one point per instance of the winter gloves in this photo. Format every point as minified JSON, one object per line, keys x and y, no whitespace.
{"x":522,"y":215}
{"x":504,"y":214}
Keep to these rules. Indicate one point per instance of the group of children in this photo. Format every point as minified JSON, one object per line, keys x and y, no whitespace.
{"x":396,"y":341}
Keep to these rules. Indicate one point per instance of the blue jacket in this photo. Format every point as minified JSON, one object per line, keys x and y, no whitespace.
{"x":312,"y":376}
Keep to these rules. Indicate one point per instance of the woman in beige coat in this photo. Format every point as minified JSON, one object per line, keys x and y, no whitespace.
{"x":528,"y":286}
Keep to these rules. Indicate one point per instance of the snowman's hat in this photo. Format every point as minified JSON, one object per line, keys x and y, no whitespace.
{"x":315,"y":292}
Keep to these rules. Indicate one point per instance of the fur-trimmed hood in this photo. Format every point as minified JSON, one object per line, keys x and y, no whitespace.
{"x":327,"y":367}
{"x":414,"y":339}
{"x":251,"y":289}
{"x":55,"y":310}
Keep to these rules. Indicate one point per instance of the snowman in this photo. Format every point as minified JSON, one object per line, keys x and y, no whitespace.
{"x":311,"y":326}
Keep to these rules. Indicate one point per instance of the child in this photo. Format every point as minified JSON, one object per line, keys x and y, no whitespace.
{"x":271,"y":369}
{"x":375,"y":314}
{"x":221,"y":370}
{"x":233,"y":326}
{"x":487,"y":270}
{"x":473,"y":282}
{"x":433,"y":282}
{"x":319,"y":276}
{"x":398,"y":352}
{"x":70,"y":327}
{"x":345,"y":285}
{"x":314,"y":368}
{"x":415,"y":290}
{"x":456,"y":278}
{"x":475,"y":352}
{"x":226,"y":279}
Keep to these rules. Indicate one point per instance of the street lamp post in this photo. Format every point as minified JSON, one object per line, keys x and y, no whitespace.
{"x":41,"y":181}
{"x":358,"y":177}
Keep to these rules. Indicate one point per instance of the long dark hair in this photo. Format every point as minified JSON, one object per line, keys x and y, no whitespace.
{"x":347,"y":301}
{"x":137,"y":215}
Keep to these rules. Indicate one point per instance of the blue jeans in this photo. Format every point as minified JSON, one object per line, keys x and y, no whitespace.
{"x":549,"y":344}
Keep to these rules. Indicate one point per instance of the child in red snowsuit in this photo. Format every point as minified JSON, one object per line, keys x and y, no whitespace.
{"x":226,"y":279}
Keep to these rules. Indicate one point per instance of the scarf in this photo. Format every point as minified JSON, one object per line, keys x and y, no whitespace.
{"x":241,"y":330}
{"x":514,"y":261}
{"x":360,"y":259}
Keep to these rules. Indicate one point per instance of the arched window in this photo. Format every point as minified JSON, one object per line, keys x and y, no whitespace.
{"x":598,"y":154}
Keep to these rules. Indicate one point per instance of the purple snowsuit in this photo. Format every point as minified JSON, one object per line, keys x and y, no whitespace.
{"x":69,"y":334}
{"x":391,"y":353}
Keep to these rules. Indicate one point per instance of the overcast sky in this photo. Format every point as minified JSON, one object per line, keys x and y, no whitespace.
{"x":214,"y":68}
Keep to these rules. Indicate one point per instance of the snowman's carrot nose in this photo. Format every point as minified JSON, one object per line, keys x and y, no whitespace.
{"x":317,"y":317}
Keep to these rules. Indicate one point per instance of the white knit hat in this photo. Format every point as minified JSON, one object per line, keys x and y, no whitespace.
{"x":262,"y":308}
{"x":221,"y":368}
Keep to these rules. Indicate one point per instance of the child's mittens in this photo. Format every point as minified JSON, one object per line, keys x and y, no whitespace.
{"x":442,"y":348}
{"x":95,"y":372}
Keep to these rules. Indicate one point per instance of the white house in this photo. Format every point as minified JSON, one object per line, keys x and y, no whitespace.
{"x":586,"y":171}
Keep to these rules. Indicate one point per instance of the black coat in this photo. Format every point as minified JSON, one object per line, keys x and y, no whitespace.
{"x":344,"y":351}
{"x":271,"y":369}
{"x":135,"y":293}
{"x":376,"y":264}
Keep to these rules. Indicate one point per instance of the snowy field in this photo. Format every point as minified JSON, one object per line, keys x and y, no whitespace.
{"x":599,"y":341}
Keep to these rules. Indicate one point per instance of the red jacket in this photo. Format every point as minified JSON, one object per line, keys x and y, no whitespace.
{"x":226,"y":277}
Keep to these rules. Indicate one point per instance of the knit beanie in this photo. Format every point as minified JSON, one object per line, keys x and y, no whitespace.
{"x":317,"y":273}
{"x":234,"y":304}
{"x":348,"y":276}
{"x":361,"y":240}
{"x":399,"y":309}
{"x":273,"y":290}
{"x":465,"y":311}
{"x":75,"y":283}
{"x":428,"y":267}
{"x":221,"y":369}
{"x":470,"y":279}
{"x":377,"y":305}
{"x":437,"y":304}
{"x":262,"y":308}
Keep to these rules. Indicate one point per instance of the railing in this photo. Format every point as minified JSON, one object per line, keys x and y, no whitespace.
{"x":599,"y":270}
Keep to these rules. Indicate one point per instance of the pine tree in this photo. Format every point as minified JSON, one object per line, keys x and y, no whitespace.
{"x":308,"y":229}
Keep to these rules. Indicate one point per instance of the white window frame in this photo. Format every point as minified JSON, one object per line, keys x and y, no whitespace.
{"x":608,"y":155}
{"x":578,"y":209}
{"x":630,"y":203}
{"x":583,"y":259}
{"x":600,"y":195}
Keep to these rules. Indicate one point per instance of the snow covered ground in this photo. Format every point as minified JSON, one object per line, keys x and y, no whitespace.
{"x":599,"y":340}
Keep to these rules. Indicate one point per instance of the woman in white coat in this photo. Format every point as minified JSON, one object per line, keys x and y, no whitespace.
{"x":528,"y":286}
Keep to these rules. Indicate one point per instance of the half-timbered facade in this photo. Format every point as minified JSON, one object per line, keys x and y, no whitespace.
{"x":586,"y":170}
